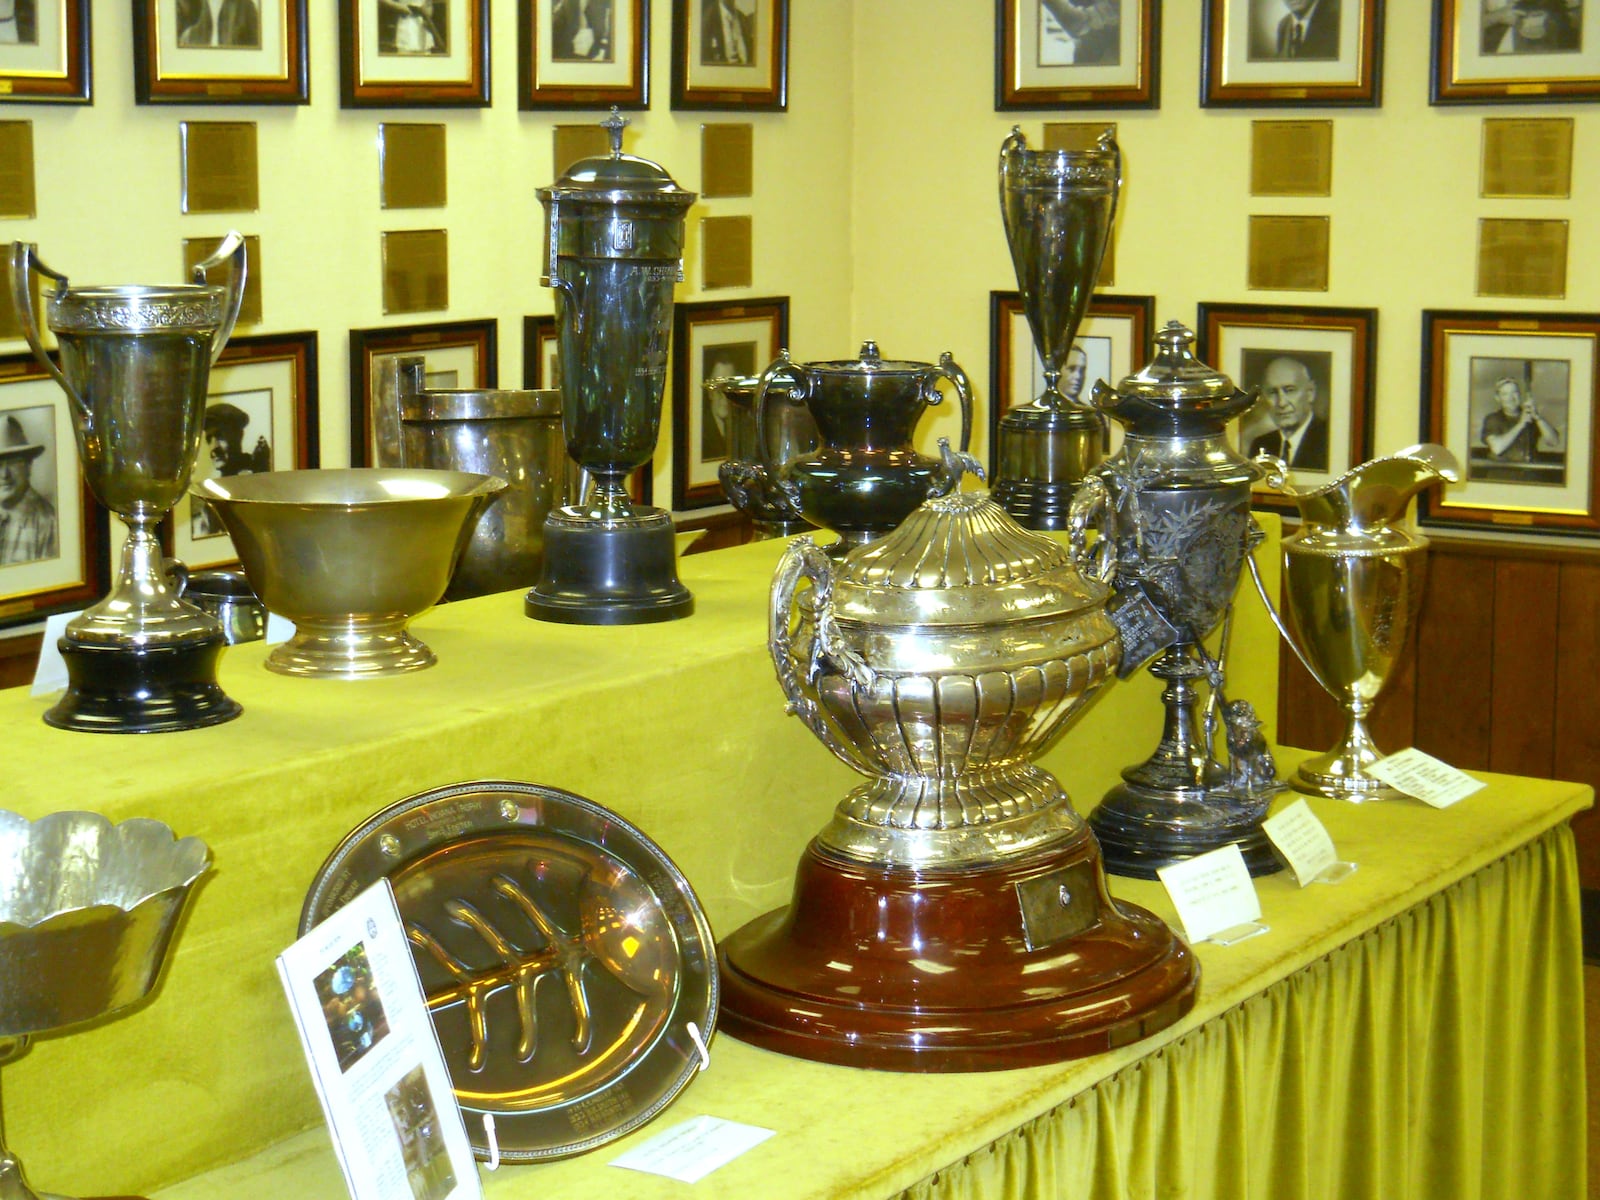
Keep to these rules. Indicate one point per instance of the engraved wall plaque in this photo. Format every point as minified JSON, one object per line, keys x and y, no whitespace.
{"x":198,"y":249}
{"x":1289,"y":254}
{"x":1526,"y":157}
{"x":219,"y":166}
{"x":727,"y":160}
{"x":411,"y":165}
{"x":16,"y":169}
{"x":1075,"y":135}
{"x":1291,"y":158}
{"x":416,"y":271}
{"x":10,"y":327}
{"x":1522,"y":258}
{"x":570,"y":143}
{"x":725,"y":251}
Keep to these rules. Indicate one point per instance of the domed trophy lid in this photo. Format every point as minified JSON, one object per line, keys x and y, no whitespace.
{"x":616,"y":176}
{"x":960,"y":560}
{"x":1175,"y":387}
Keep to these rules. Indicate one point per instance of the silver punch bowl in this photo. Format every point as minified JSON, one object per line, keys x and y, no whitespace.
{"x":350,"y":556}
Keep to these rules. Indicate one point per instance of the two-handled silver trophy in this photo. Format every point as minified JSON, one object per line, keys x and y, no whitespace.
{"x":135,"y":362}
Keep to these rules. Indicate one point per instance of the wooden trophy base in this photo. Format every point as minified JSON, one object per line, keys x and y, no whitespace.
{"x":980,"y":968}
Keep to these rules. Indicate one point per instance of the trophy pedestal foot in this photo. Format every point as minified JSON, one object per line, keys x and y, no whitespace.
{"x":1142,"y":830}
{"x":609,"y":573}
{"x":1341,"y":776}
{"x":343,"y":651}
{"x":141,"y":689}
{"x":973,"y":969}
{"x":1043,"y":454}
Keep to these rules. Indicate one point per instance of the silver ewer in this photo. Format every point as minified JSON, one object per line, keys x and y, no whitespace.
{"x":1174,"y":501}
{"x":135,"y":362}
{"x":1058,"y":207}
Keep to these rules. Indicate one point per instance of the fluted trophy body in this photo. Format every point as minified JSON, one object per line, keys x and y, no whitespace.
{"x":1058,"y":207}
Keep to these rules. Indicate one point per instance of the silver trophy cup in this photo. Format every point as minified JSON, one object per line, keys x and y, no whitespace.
{"x":134,"y":363}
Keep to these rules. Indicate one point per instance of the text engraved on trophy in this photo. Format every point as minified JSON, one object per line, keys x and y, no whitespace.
{"x":622,"y":235}
{"x":605,"y":1111}
{"x":1143,"y":630}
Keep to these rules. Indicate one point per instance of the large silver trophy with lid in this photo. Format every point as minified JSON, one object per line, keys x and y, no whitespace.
{"x":135,"y":362}
{"x":1058,"y":207}
{"x":615,"y":238}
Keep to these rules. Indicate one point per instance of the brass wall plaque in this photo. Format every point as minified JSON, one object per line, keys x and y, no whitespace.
{"x":726,"y":160}
{"x":1526,"y":157}
{"x":725,"y":251}
{"x":1289,"y":254}
{"x":10,"y":327}
{"x":1522,"y":258}
{"x":411,"y":166}
{"x":219,"y":166}
{"x":1291,"y":158}
{"x":197,"y":249}
{"x":1075,"y":135}
{"x":569,"y":143}
{"x":16,"y":169}
{"x":416,"y":271}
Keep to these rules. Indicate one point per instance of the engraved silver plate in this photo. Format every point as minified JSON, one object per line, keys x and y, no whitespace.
{"x":1058,"y":905}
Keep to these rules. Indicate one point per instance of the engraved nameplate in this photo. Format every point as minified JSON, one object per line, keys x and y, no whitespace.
{"x":1058,"y":905}
{"x":1145,"y":632}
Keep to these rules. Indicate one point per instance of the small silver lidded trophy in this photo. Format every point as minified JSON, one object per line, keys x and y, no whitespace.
{"x":135,"y":362}
{"x":1058,"y":207}
{"x":615,"y":227}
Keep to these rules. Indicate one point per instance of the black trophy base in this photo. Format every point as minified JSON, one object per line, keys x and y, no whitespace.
{"x":1042,"y":454}
{"x":1035,"y":505}
{"x":142,"y":689}
{"x":609,"y":573}
{"x":1142,"y":830}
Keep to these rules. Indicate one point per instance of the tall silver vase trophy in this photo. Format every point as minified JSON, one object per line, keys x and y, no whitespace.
{"x":135,"y":362}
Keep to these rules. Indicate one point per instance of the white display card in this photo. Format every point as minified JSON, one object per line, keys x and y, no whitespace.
{"x":1215,"y":896}
{"x":1304,"y":843}
{"x":1419,"y":774}
{"x":693,"y":1149}
{"x":50,"y":676}
{"x":374,"y":1056}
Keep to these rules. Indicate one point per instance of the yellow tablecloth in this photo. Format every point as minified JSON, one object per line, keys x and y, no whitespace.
{"x":680,"y":728}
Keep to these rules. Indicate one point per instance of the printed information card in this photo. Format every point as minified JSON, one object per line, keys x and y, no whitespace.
{"x":1420,"y":774}
{"x":374,"y":1057}
{"x":1304,"y":843}
{"x":693,"y":1149}
{"x":1215,"y":897}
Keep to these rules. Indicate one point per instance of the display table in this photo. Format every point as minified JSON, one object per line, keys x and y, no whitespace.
{"x":1415,"y":1030}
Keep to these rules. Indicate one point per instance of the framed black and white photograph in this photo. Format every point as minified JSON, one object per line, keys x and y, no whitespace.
{"x":1293,"y":53}
{"x":261,"y":415}
{"x":1513,"y":396}
{"x":1077,"y":54}
{"x":583,"y":54}
{"x":1313,"y":369}
{"x":414,"y":53}
{"x":456,"y":354}
{"x":712,"y":341}
{"x":53,"y":535}
{"x":44,"y":52}
{"x":1112,"y":343}
{"x":730,"y":54}
{"x":1515,"y":51}
{"x":220,"y":52}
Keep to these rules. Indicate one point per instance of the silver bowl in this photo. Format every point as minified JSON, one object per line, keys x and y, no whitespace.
{"x":350,"y":556}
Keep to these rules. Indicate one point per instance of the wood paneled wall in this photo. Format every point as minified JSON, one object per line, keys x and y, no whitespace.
{"x":1503,"y":674}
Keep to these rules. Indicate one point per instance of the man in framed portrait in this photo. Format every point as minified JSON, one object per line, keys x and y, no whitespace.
{"x":230,"y":24}
{"x":19,"y":22}
{"x":1307,"y":30}
{"x":412,"y":27}
{"x":727,"y":34}
{"x":224,"y":428}
{"x":1300,"y":434}
{"x":1516,"y":430}
{"x":1529,"y":26}
{"x":1092,"y":27}
{"x":580,"y":30}
{"x":28,"y":525}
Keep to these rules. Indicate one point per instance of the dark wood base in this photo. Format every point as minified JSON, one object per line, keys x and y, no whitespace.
{"x":984,"y":968}
{"x":1142,"y":830}
{"x":133,"y":689}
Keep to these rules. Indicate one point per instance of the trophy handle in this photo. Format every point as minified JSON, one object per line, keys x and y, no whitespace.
{"x":951,"y":370}
{"x":1107,"y":142}
{"x":24,"y":263}
{"x":1091,"y":504}
{"x":1281,"y":626}
{"x":230,"y":251}
{"x":801,"y":391}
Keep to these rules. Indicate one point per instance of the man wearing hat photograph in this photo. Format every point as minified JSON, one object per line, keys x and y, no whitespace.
{"x":224,"y":427}
{"x":27,"y":519}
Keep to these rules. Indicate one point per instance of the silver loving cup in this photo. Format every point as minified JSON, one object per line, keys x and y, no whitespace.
{"x":750,"y":476}
{"x":135,"y":362}
{"x":1058,"y":207}
{"x":511,"y":433}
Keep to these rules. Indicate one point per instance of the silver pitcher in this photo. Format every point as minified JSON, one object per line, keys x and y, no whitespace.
{"x":1058,"y":207}
{"x":512,"y":433}
{"x":135,"y":362}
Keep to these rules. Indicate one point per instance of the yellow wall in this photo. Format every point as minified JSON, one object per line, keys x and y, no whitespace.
{"x":929,"y":245}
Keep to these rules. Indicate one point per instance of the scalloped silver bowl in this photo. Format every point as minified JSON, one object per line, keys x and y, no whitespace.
{"x":87,"y":913}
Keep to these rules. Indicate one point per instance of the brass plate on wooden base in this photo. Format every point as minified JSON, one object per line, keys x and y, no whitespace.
{"x":563,"y":955}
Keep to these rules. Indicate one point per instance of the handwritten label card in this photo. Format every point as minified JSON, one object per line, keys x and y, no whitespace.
{"x":1215,"y":896}
{"x":1427,"y":778}
{"x":692,"y":1150}
{"x":1305,"y":845}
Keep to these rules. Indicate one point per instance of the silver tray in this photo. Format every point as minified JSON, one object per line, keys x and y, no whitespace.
{"x":564,"y":957}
